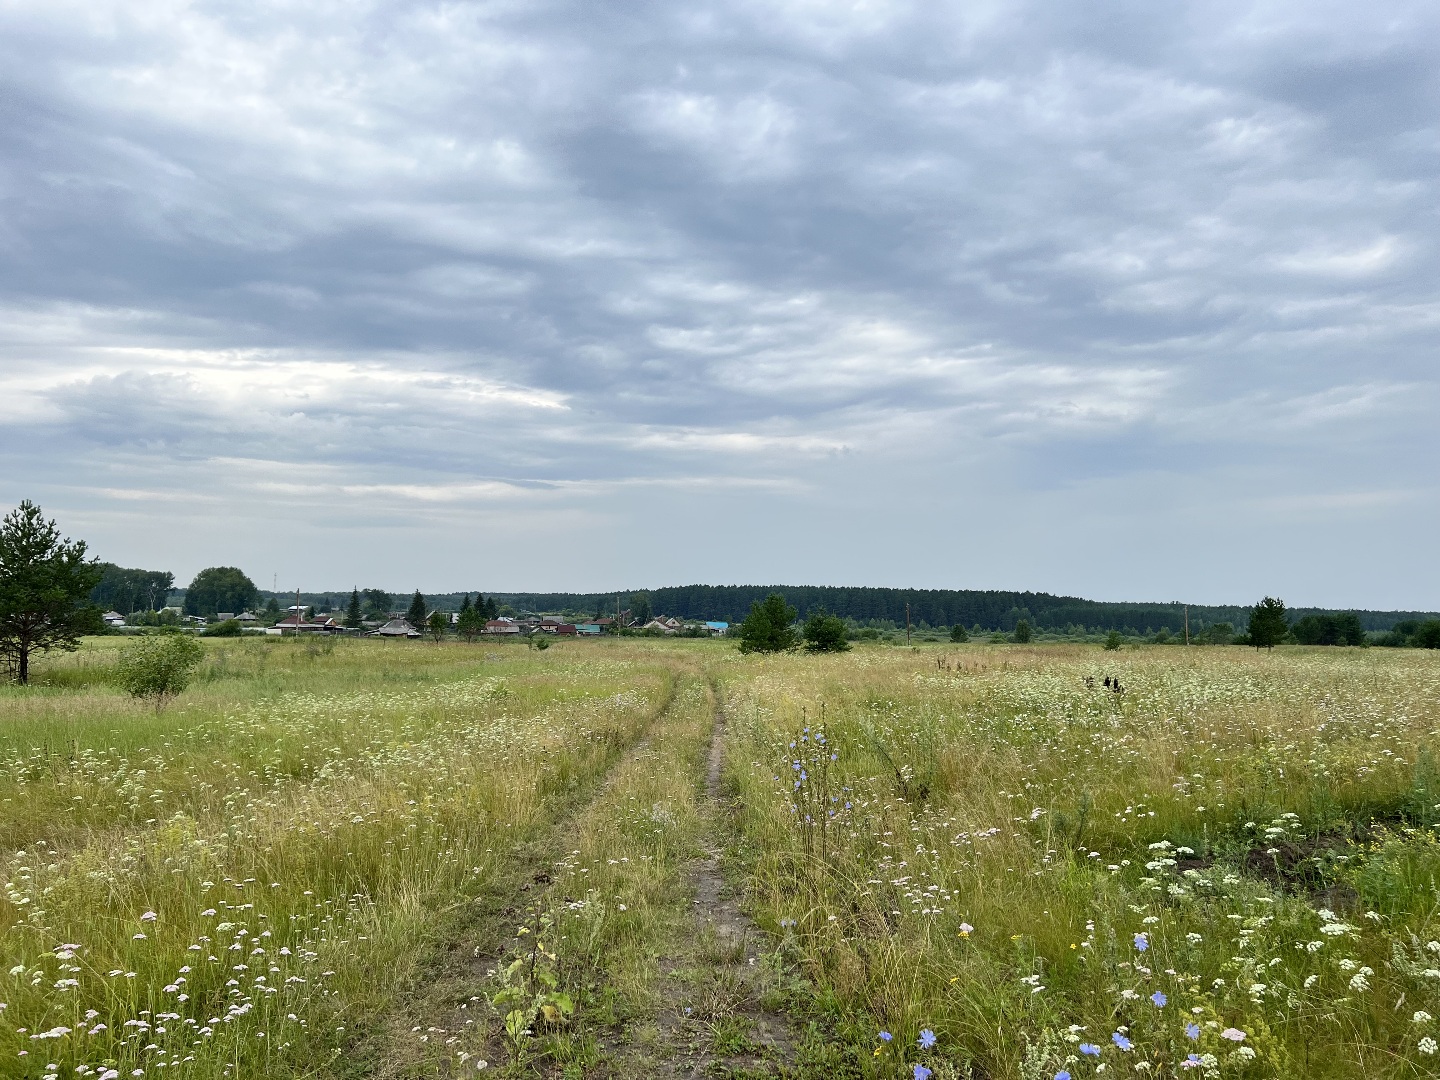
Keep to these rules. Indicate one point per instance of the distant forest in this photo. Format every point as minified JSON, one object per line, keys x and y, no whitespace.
{"x":991,"y":610}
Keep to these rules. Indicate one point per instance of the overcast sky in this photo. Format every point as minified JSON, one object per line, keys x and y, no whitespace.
{"x":1123,"y":300}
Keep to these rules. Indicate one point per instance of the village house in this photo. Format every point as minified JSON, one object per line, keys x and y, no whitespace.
{"x":395,"y":628}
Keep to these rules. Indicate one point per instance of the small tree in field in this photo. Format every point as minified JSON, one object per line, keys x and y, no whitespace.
{"x":45,"y":584}
{"x":471,"y":622}
{"x":1022,"y":633}
{"x":825,"y":633}
{"x":1268,"y":625}
{"x":353,"y":614}
{"x":159,"y":666}
{"x":438,"y":623}
{"x":416,"y":615}
{"x":769,"y":627}
{"x":958,"y":633}
{"x":1113,"y":641}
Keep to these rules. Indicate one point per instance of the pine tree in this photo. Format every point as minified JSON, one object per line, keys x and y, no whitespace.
{"x":416,"y":615}
{"x":471,"y":621}
{"x":352,"y":615}
{"x":1268,"y":625}
{"x":45,"y":583}
{"x":769,"y":627}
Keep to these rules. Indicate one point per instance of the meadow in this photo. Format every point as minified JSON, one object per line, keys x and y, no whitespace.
{"x":357,"y":858}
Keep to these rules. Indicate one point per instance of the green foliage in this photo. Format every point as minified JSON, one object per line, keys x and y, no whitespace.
{"x":228,"y":628}
{"x":376,"y":602}
{"x":1268,"y":625}
{"x":1113,"y":641}
{"x":219,"y":588}
{"x":415,"y":616}
{"x":353,"y":614}
{"x":1022,"y":633}
{"x":125,"y":590}
{"x":159,"y":666}
{"x":163,"y":617}
{"x":1220,"y":633}
{"x":471,"y":622}
{"x":769,"y":627}
{"x":825,"y":633}
{"x":529,"y":992}
{"x":640,"y":608}
{"x":1427,"y":634}
{"x":437,"y":624}
{"x":1342,"y":629}
{"x":540,"y":641}
{"x":44,"y":585}
{"x":958,"y":633}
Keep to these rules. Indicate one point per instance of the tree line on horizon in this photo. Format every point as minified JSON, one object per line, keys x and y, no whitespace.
{"x":51,"y":595}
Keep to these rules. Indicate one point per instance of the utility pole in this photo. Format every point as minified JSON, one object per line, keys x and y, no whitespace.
{"x":907,"y":622}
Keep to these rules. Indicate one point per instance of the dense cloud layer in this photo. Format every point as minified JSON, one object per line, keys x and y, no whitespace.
{"x":1120,"y":299}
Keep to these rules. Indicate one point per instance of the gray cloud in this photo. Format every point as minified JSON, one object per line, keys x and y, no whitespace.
{"x":1123,"y":300}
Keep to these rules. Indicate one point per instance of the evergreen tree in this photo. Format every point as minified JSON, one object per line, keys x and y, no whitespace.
{"x":471,"y":622}
{"x":958,"y":633}
{"x":1022,"y":633}
{"x":640,"y":607}
{"x":416,"y":615}
{"x":44,"y":585}
{"x":352,"y":614}
{"x":824,"y":633}
{"x":1268,"y":625}
{"x":769,"y":627}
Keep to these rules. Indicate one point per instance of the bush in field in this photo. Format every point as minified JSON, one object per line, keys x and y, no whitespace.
{"x":228,"y":628}
{"x":825,"y":633}
{"x":1022,"y":633}
{"x":1112,"y":641}
{"x":958,"y":633}
{"x":1427,"y":636}
{"x":159,"y":666}
{"x":437,"y":624}
{"x":769,"y":627}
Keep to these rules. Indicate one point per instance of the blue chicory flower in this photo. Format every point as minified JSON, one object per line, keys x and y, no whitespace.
{"x":1062,"y":1075}
{"x":1159,"y":999}
{"x":1142,"y":942}
{"x":1192,"y":1031}
{"x":921,"y":1073}
{"x":885,"y":1036}
{"x":927,"y":1039}
{"x":1121,"y":1041}
{"x":1090,"y":1049}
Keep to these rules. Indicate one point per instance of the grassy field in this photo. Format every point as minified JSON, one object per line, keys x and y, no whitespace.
{"x":365,"y":858}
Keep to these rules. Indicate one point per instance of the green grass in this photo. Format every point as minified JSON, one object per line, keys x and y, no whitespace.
{"x":342,"y":844}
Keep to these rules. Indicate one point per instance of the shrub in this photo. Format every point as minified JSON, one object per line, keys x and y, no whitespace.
{"x":958,"y":633}
{"x":1112,"y":641}
{"x":159,"y":666}
{"x":1427,"y":636}
{"x":1022,"y":633}
{"x":228,"y":628}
